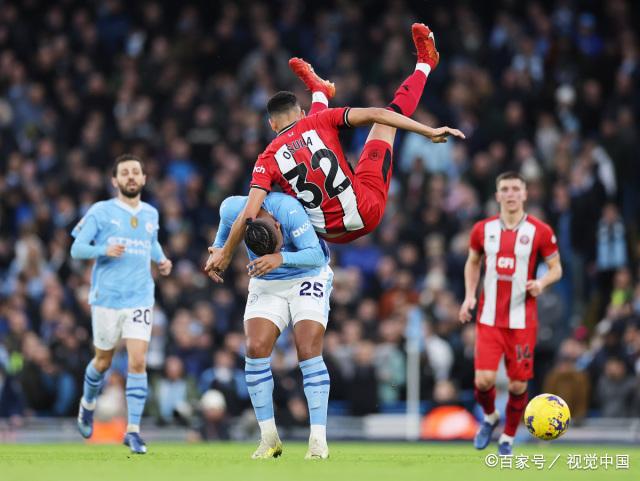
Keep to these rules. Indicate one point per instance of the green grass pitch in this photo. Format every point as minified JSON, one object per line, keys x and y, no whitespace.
{"x":351,"y":461}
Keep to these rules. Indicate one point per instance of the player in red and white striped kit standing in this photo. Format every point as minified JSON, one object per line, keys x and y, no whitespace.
{"x":507,"y":318}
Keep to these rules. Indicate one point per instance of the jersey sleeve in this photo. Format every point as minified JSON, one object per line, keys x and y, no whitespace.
{"x":548,"y":242}
{"x":309,"y":251}
{"x":229,"y":211}
{"x":476,"y":239}
{"x":337,"y":118}
{"x":264,"y":172}
{"x":88,"y":225}
{"x":85,"y":233}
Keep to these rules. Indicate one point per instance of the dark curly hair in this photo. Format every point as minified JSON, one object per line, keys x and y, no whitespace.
{"x":260,"y":237}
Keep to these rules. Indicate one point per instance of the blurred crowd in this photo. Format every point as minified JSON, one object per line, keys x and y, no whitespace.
{"x":547,"y":88}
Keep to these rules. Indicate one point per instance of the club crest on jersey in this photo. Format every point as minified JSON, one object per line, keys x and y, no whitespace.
{"x":253,"y":298}
{"x":524,"y":239}
{"x":149,"y":227}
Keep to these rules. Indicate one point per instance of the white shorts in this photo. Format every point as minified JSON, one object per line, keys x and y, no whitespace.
{"x":290,"y":300}
{"x":109,"y":325}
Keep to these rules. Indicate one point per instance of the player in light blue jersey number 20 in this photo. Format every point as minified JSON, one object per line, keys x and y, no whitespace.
{"x":121,"y":234}
{"x":290,"y":283}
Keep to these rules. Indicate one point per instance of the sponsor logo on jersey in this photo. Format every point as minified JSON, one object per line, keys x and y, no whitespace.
{"x":301,"y":230}
{"x":139,"y":247}
{"x":258,"y":169}
{"x":506,"y":262}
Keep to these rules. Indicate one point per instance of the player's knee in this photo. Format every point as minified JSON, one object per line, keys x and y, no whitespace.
{"x":485,"y":382}
{"x":102,"y":363}
{"x":517,"y":387}
{"x":257,"y":347}
{"x":137,"y":364}
{"x":308,"y":352}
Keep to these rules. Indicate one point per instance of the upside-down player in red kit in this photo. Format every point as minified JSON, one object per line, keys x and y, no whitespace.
{"x":507,"y":317}
{"x":307,"y":161}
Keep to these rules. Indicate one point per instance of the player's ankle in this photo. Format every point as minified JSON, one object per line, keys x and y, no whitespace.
{"x":424,"y":67}
{"x":319,"y":432}
{"x":90,"y":406}
{"x":493,"y":417}
{"x":133,"y":428}
{"x":505,"y":438}
{"x":268,"y":427}
{"x":319,"y":96}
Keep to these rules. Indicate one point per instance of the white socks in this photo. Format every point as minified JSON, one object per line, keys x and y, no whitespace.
{"x":89,"y":406}
{"x":493,"y":417}
{"x":319,"y":431}
{"x":425,"y":68}
{"x":505,"y":439}
{"x":133,"y":428}
{"x":268,"y":426}
{"x":319,"y":97}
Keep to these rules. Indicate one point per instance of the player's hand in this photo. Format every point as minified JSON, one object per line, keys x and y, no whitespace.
{"x":439,"y":135}
{"x":165,"y":267}
{"x":214,"y":273}
{"x":115,"y":250}
{"x":534,"y":287}
{"x":465,"y":311}
{"x":265,"y":264}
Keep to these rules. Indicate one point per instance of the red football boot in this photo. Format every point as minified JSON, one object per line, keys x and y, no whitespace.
{"x":305,"y":72}
{"x":425,"y":45}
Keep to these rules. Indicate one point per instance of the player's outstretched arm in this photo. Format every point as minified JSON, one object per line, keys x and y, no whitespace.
{"x":358,"y":117}
{"x":219,"y":259}
{"x":471,"y":279}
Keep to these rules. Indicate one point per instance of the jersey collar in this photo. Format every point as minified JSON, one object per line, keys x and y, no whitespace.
{"x":288,"y":127}
{"x":503,"y":226}
{"x":128,"y":208}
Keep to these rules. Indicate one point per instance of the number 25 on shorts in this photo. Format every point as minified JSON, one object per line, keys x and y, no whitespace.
{"x":318,"y":289}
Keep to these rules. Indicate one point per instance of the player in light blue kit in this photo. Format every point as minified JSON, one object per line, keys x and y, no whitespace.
{"x":290,"y":283}
{"x":121,"y":234}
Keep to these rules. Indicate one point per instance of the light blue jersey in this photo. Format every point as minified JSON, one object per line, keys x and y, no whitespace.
{"x":125,"y":281}
{"x":302,"y":252}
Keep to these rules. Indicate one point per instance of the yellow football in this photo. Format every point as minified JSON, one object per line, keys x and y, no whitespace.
{"x":547,"y":416}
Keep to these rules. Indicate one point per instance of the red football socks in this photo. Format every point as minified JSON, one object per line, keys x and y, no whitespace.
{"x":408,"y":94}
{"x":486,"y":399}
{"x":515,"y":408}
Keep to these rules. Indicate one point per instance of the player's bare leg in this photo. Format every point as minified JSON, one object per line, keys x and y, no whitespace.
{"x":485,"y":394}
{"x":261,"y":336}
{"x":321,"y":90}
{"x":309,"y":337}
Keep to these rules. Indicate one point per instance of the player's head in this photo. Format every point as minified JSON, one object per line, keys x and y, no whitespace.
{"x":128,"y":175}
{"x":263,"y":235}
{"x":283,"y":108}
{"x":511,"y":192}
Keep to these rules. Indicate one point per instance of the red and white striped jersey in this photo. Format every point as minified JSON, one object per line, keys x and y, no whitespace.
{"x":307,"y":161}
{"x":511,"y":256}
